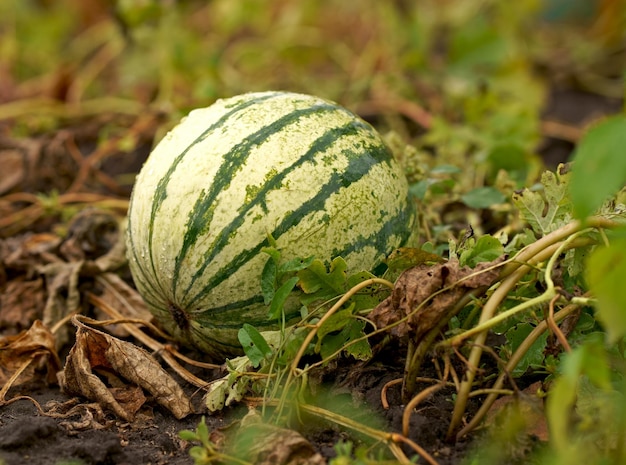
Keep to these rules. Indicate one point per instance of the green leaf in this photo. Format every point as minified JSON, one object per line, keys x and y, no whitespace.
{"x":550,"y":208}
{"x":599,"y":170}
{"x":296,"y":264}
{"x":368,"y":297}
{"x":268,"y":280}
{"x":280,"y":296}
{"x":320,"y":283}
{"x":483,"y":197}
{"x":188,"y":435}
{"x":512,"y":158}
{"x":202,"y":431}
{"x":404,"y":258}
{"x":230,"y":388}
{"x":589,"y":359}
{"x":360,"y":350}
{"x":446,"y":169}
{"x":338,"y":331}
{"x":605,"y":273}
{"x":420,"y":188}
{"x":273,"y":252}
{"x":254,"y":345}
{"x":335,"y":322}
{"x":535,"y":356}
{"x":487,"y":248}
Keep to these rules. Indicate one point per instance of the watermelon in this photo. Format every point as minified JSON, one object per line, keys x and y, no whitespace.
{"x":296,"y":168}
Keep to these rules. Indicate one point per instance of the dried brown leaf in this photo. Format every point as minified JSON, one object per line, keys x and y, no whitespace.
{"x":91,"y":234}
{"x":13,"y":168}
{"x":529,"y":405}
{"x":21,"y":303}
{"x":432,"y":288}
{"x":63,"y":295}
{"x":37,"y":345}
{"x":97,"y":355}
{"x":20,"y":163}
{"x":26,"y":252}
{"x":267,"y":444}
{"x":126,"y":299}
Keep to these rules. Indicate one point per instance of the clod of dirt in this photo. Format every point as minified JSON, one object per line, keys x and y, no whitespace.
{"x":18,"y":433}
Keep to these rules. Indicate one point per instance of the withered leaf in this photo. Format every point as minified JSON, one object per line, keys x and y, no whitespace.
{"x":63,"y":295}
{"x":20,"y":162}
{"x":124,"y":366}
{"x":418,"y":285}
{"x":34,"y":345}
{"x":27,"y":251}
{"x":267,"y":444}
{"x":124,"y":298}
{"x":91,"y":233}
{"x":116,"y":291}
{"x":21,"y":303}
{"x":13,"y":167}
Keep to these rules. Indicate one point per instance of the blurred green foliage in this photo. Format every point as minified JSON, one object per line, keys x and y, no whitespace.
{"x":469,"y":60}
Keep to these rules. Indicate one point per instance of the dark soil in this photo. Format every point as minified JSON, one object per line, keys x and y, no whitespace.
{"x":92,"y":437}
{"x":26,"y":436}
{"x":89,"y":436}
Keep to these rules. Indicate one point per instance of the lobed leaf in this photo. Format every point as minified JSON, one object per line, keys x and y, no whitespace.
{"x":549,"y":208}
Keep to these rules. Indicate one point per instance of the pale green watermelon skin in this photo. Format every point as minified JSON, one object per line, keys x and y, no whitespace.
{"x":304,"y":170}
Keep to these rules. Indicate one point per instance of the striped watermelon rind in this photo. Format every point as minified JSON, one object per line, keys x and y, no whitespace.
{"x":304,"y":170}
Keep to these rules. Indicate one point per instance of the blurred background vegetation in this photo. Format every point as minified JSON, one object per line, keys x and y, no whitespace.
{"x":483,"y":66}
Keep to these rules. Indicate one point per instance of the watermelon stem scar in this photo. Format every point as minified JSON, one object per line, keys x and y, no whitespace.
{"x":179,"y":316}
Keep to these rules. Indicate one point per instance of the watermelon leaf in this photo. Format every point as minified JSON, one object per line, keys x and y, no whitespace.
{"x":605,"y":273}
{"x":254,"y":345}
{"x":352,"y":331}
{"x":268,"y":280}
{"x":360,"y":350}
{"x":280,"y":296}
{"x":337,"y":333}
{"x":367,"y":297}
{"x":296,"y":264}
{"x":273,"y":252}
{"x":322,"y":284}
{"x":483,"y":197}
{"x":486,"y":249}
{"x":534,"y":356}
{"x":550,"y":208}
{"x":404,"y":258}
{"x":334,"y":323}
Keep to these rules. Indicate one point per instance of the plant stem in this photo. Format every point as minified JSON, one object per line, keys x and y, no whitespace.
{"x":417,"y":351}
{"x":510,"y":366}
{"x":523,"y":262}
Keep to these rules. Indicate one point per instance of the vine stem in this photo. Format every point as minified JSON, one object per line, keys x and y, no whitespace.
{"x":549,"y":294}
{"x":523,"y":262}
{"x":517,"y":356}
